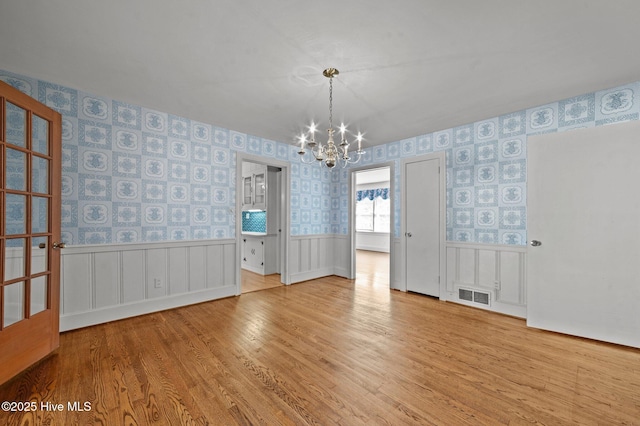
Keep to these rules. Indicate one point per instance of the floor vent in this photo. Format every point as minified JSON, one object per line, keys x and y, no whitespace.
{"x":474,"y":296}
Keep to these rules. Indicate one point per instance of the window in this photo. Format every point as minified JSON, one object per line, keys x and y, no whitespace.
{"x":373,"y":211}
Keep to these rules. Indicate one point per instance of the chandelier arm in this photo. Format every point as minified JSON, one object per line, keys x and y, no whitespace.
{"x":308,"y":162}
{"x":317,"y":155}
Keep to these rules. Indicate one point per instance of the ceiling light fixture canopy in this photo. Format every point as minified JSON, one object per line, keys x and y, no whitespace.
{"x":329,"y":154}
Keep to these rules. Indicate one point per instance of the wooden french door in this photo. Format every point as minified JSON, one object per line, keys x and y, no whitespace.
{"x":30,"y":180}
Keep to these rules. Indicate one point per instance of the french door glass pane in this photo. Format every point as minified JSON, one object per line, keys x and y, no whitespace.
{"x":39,"y":215}
{"x":14,"y":258}
{"x":38,"y":295}
{"x":16,"y":125}
{"x":39,"y":254}
{"x":39,"y":175}
{"x":15,"y":219}
{"x":39,"y":135}
{"x":13,"y":303}
{"x":16,"y":170}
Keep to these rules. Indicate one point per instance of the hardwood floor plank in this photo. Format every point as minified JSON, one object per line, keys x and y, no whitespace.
{"x":330,"y":351}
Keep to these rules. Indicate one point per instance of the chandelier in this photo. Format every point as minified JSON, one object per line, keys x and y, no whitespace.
{"x":328,"y":153}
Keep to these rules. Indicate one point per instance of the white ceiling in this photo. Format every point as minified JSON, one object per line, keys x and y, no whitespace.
{"x":406,"y":67}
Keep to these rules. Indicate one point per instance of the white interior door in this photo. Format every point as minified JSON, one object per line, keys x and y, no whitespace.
{"x":422,"y":207}
{"x":584,"y":209}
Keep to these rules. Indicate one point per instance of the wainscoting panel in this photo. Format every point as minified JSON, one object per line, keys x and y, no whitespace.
{"x":312,"y":256}
{"x":340,"y":254}
{"x":106,"y":271}
{"x":130,"y":288}
{"x":197,"y":268}
{"x":75,"y":280}
{"x":397,"y":279}
{"x":110,"y":282}
{"x":178,"y":270}
{"x":494,"y":271}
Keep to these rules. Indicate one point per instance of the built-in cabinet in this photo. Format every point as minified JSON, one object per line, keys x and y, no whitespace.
{"x":254,"y":186}
{"x":259,"y":253}
{"x":253,"y":253}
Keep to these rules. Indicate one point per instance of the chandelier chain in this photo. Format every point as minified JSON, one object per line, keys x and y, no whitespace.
{"x":331,"y":103}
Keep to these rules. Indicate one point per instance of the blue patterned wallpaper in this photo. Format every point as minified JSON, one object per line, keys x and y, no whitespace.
{"x":486,"y":162}
{"x":133,"y":174}
{"x":254,"y":221}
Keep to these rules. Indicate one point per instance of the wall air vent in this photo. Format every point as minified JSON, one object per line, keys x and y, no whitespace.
{"x":465,"y":294}
{"x":480,"y":297}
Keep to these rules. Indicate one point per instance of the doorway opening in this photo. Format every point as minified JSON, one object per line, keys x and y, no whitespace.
{"x":372,"y":219}
{"x":260,"y":223}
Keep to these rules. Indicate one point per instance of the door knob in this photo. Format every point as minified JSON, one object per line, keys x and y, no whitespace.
{"x":408,"y":234}
{"x":59,"y":245}
{"x":535,"y":243}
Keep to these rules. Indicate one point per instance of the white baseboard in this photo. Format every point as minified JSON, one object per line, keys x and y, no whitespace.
{"x":113,"y":313}
{"x":372,"y":248}
{"x":311,"y":275}
{"x":255,"y":270}
{"x":341,"y":272}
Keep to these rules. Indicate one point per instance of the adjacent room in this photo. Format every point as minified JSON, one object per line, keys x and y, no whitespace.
{"x":266,"y":212}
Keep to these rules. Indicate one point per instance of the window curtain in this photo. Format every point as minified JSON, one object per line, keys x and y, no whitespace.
{"x":371,"y":194}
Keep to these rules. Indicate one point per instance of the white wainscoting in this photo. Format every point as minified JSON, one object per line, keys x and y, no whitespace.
{"x":495,"y":269}
{"x":315,"y":256}
{"x":341,"y":256}
{"x":373,"y":241}
{"x":103,"y":283}
{"x":397,"y":266}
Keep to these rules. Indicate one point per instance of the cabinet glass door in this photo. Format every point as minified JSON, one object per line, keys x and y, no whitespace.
{"x":246,"y":198}
{"x":259,"y":189}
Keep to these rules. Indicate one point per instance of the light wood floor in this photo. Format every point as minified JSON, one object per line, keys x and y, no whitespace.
{"x":256,"y":282}
{"x":371,"y":267}
{"x":330,"y":351}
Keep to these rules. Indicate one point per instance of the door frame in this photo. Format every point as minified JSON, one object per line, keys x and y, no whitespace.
{"x":441,"y":157}
{"x":352,"y":217}
{"x":285,"y":208}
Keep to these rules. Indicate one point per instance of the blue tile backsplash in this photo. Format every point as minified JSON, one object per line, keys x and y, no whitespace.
{"x":133,"y":174}
{"x":254,"y":221}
